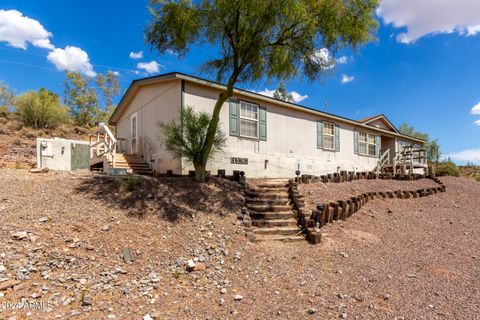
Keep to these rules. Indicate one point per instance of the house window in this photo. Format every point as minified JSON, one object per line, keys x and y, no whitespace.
{"x":328,"y":135}
{"x":248,"y":120}
{"x":366,"y":144}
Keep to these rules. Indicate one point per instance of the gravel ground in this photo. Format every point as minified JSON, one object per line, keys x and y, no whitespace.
{"x":316,"y":193}
{"x":410,"y":259}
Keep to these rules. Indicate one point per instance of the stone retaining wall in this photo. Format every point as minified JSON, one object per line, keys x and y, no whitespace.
{"x":342,"y":209}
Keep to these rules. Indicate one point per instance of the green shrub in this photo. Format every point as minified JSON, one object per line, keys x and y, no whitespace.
{"x":447,"y":168}
{"x":40,"y":110}
{"x":478,"y":178}
{"x":130,"y":183}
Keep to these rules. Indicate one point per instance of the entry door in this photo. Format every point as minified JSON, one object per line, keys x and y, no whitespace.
{"x":134,"y":133}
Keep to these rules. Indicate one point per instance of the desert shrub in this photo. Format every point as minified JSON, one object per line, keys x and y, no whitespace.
{"x":17,"y":141}
{"x":477,"y":178}
{"x":28,"y":132}
{"x":4,"y":112}
{"x":40,"y":110}
{"x":447,"y":168}
{"x":130,"y":183}
{"x":185,"y":139}
{"x":14,"y":125}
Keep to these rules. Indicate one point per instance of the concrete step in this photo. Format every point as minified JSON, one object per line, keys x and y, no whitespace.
{"x":132,"y":166}
{"x":272,"y":215}
{"x":274,"y":223}
{"x":268,"y":208}
{"x":270,"y":185}
{"x":280,"y":195}
{"x":267,"y":202}
{"x":270,"y":190}
{"x":282,"y":238}
{"x":288,"y":231}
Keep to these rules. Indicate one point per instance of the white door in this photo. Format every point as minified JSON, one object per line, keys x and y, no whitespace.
{"x":134,"y":133}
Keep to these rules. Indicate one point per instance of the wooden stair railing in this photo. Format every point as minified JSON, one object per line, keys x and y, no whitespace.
{"x":104,"y":145}
{"x":383,"y":160}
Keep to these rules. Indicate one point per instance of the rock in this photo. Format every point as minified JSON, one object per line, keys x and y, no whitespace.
{"x":43,"y":219}
{"x":106,"y":228}
{"x":344,"y":254}
{"x":190,"y":265}
{"x":223,"y":291}
{"x":312,"y":311}
{"x":19,"y":235}
{"x":343,"y":315}
{"x":220,"y":301}
{"x":386,"y":296}
{"x":147,"y":317}
{"x":127,"y":255}
{"x":8,"y":284}
{"x":238,"y":297}
{"x":200,"y":267}
{"x":155,"y":314}
{"x":87,"y":300}
{"x":237,"y":256}
{"x":2,"y":268}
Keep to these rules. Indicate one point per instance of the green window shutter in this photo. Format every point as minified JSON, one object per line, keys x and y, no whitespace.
{"x":378,"y":144}
{"x":355,"y":141}
{"x":319,"y":134}
{"x":263,"y":123}
{"x":337,"y":138}
{"x":234,"y":118}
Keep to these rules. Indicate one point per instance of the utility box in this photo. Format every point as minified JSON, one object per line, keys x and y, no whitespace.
{"x":62,"y":154}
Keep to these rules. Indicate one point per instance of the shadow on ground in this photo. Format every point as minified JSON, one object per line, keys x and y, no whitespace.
{"x":169,"y":198}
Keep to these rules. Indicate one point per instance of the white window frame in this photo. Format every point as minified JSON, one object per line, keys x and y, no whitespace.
{"x":328,"y":135}
{"x":256,"y":120}
{"x":367,"y":143}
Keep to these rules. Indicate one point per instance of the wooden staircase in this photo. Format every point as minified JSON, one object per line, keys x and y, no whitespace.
{"x":272,"y":216}
{"x":132,"y":163}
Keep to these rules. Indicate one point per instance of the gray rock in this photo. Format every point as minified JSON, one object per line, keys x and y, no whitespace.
{"x":312,"y":311}
{"x":220,"y":301}
{"x":19,"y":235}
{"x":87,"y":300}
{"x":238,"y":297}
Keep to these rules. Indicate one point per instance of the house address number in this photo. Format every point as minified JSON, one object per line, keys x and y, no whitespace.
{"x":239,"y":160}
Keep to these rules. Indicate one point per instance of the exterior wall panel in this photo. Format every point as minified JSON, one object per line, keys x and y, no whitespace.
{"x":291,"y":142}
{"x":153,"y":103}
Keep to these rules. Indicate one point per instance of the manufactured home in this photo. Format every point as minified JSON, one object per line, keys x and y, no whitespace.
{"x":266,"y":137}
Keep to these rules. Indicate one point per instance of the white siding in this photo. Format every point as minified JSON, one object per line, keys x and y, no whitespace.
{"x":153,"y":103}
{"x":291,"y":141}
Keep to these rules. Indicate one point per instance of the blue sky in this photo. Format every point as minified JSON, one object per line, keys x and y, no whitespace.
{"x":423,"y":69}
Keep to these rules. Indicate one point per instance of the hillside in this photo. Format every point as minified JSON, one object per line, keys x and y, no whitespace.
{"x":68,"y":244}
{"x":18,"y":143}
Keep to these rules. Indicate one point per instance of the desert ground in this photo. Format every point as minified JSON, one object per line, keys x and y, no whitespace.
{"x":66,"y":239}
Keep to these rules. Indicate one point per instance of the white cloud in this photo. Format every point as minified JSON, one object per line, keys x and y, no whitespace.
{"x":323,"y":57}
{"x":18,"y":31}
{"x":342,"y":60}
{"x":149,"y":67}
{"x":477,"y":123}
{"x":346,"y":78}
{"x":476,"y":109}
{"x":297,"y":97}
{"x":71,"y":59}
{"x":427,"y":17}
{"x":114,"y":72}
{"x":472,"y":155}
{"x":136,"y":55}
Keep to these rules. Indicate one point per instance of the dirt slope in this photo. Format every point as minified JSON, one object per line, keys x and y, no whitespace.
{"x":403,"y":259}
